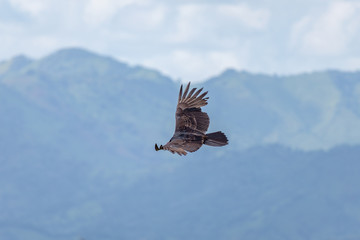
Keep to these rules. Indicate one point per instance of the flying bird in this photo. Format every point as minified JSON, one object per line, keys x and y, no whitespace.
{"x":191,"y":124}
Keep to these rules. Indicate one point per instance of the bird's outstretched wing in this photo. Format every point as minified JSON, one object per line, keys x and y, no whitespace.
{"x":171,"y":148}
{"x":189,"y":117}
{"x":182,"y":143}
{"x":177,"y":150}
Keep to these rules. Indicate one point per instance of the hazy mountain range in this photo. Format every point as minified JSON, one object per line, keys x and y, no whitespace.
{"x":308,"y":111}
{"x":77,"y":159}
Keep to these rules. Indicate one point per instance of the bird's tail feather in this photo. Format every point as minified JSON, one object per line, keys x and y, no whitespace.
{"x":216,"y":139}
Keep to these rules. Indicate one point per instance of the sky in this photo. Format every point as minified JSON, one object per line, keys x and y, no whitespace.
{"x":190,"y":40}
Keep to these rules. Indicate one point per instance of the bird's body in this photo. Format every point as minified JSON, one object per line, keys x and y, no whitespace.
{"x":191,"y":125}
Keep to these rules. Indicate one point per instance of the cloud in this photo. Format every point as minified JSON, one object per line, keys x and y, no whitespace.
{"x":329,"y":33}
{"x":195,"y":21}
{"x":252,"y":18}
{"x":351,"y":63}
{"x":100,"y":11}
{"x":189,"y":21}
{"x":194,"y":66}
{"x":142,"y":17}
{"x":167,"y":35}
{"x":34,"y":7}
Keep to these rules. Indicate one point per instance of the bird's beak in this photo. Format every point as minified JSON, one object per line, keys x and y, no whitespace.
{"x":158,"y":148}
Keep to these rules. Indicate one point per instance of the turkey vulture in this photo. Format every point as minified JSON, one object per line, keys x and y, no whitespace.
{"x":191,"y":125}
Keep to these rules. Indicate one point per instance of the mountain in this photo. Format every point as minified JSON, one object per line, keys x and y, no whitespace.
{"x":78,"y":162}
{"x":310,"y":111}
{"x":81,"y":90}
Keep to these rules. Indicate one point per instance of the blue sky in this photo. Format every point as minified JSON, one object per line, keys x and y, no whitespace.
{"x":190,"y":40}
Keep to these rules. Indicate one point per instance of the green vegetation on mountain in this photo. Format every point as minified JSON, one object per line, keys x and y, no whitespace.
{"x":77,"y":154}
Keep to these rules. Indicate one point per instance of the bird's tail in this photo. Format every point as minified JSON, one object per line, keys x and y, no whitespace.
{"x":216,"y":139}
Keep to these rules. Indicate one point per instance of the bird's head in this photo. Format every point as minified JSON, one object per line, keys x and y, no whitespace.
{"x":158,"y":148}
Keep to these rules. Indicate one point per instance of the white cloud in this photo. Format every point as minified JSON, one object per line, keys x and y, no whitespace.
{"x":351,"y":63}
{"x":188,"y":23}
{"x":252,"y":18}
{"x":329,"y":33}
{"x":144,"y":17}
{"x":210,"y":35}
{"x":208,"y":21}
{"x":100,"y":11}
{"x":34,"y":7}
{"x":194,"y":66}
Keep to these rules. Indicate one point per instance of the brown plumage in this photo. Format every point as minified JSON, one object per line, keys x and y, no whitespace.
{"x":192,"y":124}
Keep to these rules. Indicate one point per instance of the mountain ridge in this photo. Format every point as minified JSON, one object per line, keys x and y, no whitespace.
{"x":78,"y":53}
{"x":295,"y":114}
{"x":78,"y":161}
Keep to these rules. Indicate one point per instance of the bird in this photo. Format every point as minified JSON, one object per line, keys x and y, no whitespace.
{"x":191,"y":124}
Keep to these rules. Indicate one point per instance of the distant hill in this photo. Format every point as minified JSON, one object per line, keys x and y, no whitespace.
{"x":262,"y":193}
{"x":77,"y":134}
{"x":92,"y":94}
{"x":309,"y":111}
